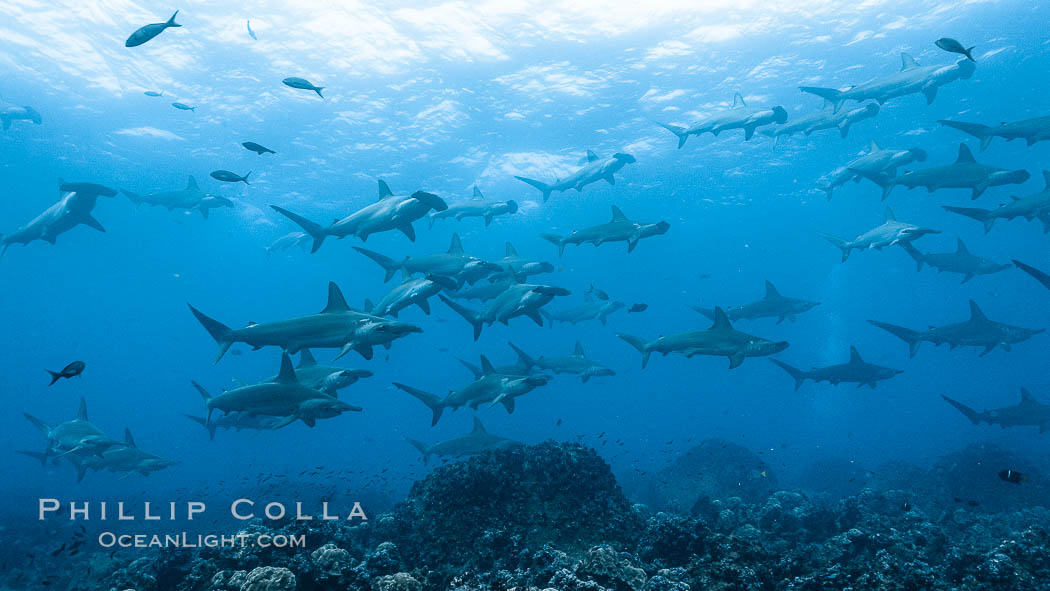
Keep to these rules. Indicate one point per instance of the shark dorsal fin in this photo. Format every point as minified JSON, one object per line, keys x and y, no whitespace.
{"x":478,"y":427}
{"x":1046,"y":180}
{"x":511,"y":251}
{"x":82,"y":411}
{"x":960,"y":247}
{"x":405,"y":275}
{"x":384,"y":190}
{"x":578,"y":351}
{"x":854,"y":356}
{"x":336,"y":301}
{"x":477,"y":193}
{"x":738,"y":100}
{"x":306,"y":358}
{"x":721,"y":320}
{"x":128,"y":439}
{"x":591,"y":156}
{"x":874,"y":146}
{"x":975,"y":312}
{"x":890,"y":216}
{"x":1027,"y":398}
{"x":908,"y":62}
{"x":369,"y":306}
{"x":771,"y":291}
{"x":287,"y":375}
{"x":486,"y":365}
{"x":456,"y":247}
{"x":191,"y":184}
{"x":617,"y":215}
{"x":965,"y":155}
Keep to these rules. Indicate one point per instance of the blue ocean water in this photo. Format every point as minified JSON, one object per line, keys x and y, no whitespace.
{"x":445,"y":98}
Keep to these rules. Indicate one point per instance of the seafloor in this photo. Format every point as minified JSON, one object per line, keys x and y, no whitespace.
{"x":552,"y":516}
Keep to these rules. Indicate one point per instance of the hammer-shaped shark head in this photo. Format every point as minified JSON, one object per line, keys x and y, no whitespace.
{"x":762,"y":347}
{"x":918,"y":154}
{"x":625,"y":158}
{"x":780,"y":115}
{"x":917,"y":231}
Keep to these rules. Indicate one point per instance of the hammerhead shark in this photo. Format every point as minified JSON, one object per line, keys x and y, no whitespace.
{"x":978,"y":331}
{"x":1028,"y":412}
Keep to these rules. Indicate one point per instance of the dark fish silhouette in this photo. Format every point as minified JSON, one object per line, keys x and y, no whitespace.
{"x":153,"y":93}
{"x":184,"y":107}
{"x":148,"y":32}
{"x":258,"y":149}
{"x":229,"y":177}
{"x":638,"y":308}
{"x":1012,"y":476}
{"x":70,"y":371}
{"x":303,"y":84}
{"x":952,"y":46}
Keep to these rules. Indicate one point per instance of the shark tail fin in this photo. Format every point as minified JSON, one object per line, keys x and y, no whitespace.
{"x":171,"y":21}
{"x":839,"y":243}
{"x":318,"y":90}
{"x":312,"y":228}
{"x":707,"y":312}
{"x":973,"y":415}
{"x":914,"y":253}
{"x":389,"y":265}
{"x":469,"y":315}
{"x":798,"y":374}
{"x":133,"y":197}
{"x":41,"y":425}
{"x":207,"y":398}
{"x":433,"y":402}
{"x":905,"y":334}
{"x":55,"y":376}
{"x":1038,"y":275}
{"x":880,"y":179}
{"x":679,"y":131}
{"x":639,"y":344}
{"x":556,"y":241}
{"x":981,"y":132}
{"x":203,"y":422}
{"x":421,"y":447}
{"x":543,"y":187}
{"x":218,"y":331}
{"x":529,"y":362}
{"x":830,"y":95}
{"x":982,"y":215}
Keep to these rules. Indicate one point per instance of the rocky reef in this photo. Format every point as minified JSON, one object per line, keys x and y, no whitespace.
{"x":552,"y":516}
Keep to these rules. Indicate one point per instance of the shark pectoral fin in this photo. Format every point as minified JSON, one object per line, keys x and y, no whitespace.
{"x":736,"y":359}
{"x":931,"y":93}
{"x":407,"y":230}
{"x":424,"y":305}
{"x":610,"y":179}
{"x":90,"y":221}
{"x":987,"y":350}
{"x":632,"y":242}
{"x":284,"y":422}
{"x":310,"y":421}
{"x":508,"y":403}
{"x":535,"y":315}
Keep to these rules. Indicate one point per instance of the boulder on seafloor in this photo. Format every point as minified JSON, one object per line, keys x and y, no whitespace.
{"x":472,"y":513}
{"x":714,"y":469}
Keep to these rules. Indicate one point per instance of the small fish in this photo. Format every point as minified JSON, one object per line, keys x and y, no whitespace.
{"x":184,"y":107}
{"x":906,"y":506}
{"x":59,"y":551}
{"x":229,"y":177}
{"x":153,"y":93}
{"x":258,"y":149}
{"x":1012,"y":476}
{"x":70,"y":371}
{"x":952,"y":46}
{"x":638,"y":308}
{"x":144,"y":34}
{"x":303,"y":84}
{"x":558,"y":424}
{"x":251,"y":33}
{"x":601,"y":295}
